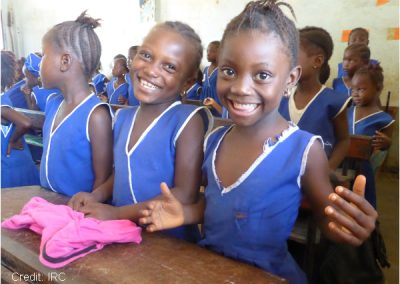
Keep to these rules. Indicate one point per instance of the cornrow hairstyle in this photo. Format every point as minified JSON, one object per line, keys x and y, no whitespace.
{"x":79,"y":38}
{"x":359,"y":29}
{"x":361,"y":50}
{"x":317,"y":40}
{"x":266,"y":16}
{"x":189,"y":34}
{"x":8,"y":69}
{"x":375,"y":73}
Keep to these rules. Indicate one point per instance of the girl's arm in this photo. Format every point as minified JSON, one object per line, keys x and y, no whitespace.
{"x":342,"y":140}
{"x":382,"y":139}
{"x":22,"y":125}
{"x":101,"y":140}
{"x":343,"y":216}
{"x":211,"y":102}
{"x":189,"y":157}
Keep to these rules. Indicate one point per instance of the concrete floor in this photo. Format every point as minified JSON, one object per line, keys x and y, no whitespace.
{"x":388,"y":209}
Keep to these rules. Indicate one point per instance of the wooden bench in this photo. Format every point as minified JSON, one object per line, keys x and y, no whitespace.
{"x":158,"y":259}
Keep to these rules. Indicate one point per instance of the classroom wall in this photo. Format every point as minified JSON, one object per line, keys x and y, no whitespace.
{"x":122,"y":27}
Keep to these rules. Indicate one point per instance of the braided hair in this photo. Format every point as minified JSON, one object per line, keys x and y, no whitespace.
{"x":317,"y":40}
{"x":8,"y":69}
{"x":375,"y":73}
{"x":361,"y":50}
{"x":266,"y":16}
{"x":79,"y":38}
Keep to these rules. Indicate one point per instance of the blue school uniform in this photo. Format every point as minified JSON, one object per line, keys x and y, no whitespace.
{"x":99,"y":83}
{"x":139,"y":171}
{"x":132,"y":100}
{"x":16,"y":96}
{"x":66,"y":165}
{"x":113,"y":94}
{"x":194,"y":92}
{"x":209,"y":89}
{"x":340,"y":87}
{"x":367,"y":126}
{"x":341,"y":73}
{"x":248,"y":220}
{"x":41,"y":96}
{"x":18,"y":169}
{"x":319,"y":114}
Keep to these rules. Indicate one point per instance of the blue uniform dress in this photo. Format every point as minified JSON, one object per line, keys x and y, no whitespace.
{"x":18,"y":169}
{"x":209,"y":89}
{"x":16,"y":96}
{"x":252,"y":219}
{"x":367,"y":126}
{"x":194,"y":92}
{"x":113,"y":94}
{"x":41,"y":95}
{"x":66,"y":165}
{"x":132,"y":100}
{"x":139,"y":172}
{"x":99,"y":83}
{"x":340,"y":67}
{"x":319,"y":114}
{"x":340,"y":87}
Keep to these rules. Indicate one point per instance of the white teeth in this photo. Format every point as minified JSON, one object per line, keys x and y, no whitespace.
{"x":147,"y":85}
{"x":244,"y":107}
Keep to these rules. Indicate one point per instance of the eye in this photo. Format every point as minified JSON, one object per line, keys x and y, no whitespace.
{"x":228,"y":72}
{"x":145,"y":55}
{"x":262,"y":76}
{"x":170,"y":67}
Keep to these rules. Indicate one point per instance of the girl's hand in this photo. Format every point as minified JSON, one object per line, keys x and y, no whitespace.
{"x":354,"y":219}
{"x":17,"y":145}
{"x":100,"y":211}
{"x":164,"y":213}
{"x":26,"y":90}
{"x":81,"y":199}
{"x":380,"y":141}
{"x":103,"y":98}
{"x":208,"y":101}
{"x":122,"y":100}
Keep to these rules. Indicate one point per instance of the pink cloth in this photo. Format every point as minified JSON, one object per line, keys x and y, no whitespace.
{"x":67,"y":234}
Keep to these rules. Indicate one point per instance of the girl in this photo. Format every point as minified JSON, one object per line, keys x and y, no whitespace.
{"x":17,"y":166}
{"x":367,"y":118}
{"x":99,"y":81}
{"x":314,"y":107}
{"x":132,"y":101}
{"x":117,"y":89}
{"x":77,"y":134}
{"x":254,"y":169}
{"x":355,"y":56}
{"x":159,"y":140}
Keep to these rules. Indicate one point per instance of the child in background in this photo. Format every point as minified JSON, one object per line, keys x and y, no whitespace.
{"x":195,"y":87}
{"x":357,"y":35}
{"x":255,"y":169}
{"x":313,"y":106}
{"x":132,"y":101}
{"x":117,"y":89}
{"x":20,"y":93}
{"x":19,"y":73}
{"x":210,"y":73}
{"x":159,"y":140}
{"x":99,"y":81}
{"x":355,"y":56}
{"x":77,"y":133}
{"x":17,"y":166}
{"x":365,"y":117}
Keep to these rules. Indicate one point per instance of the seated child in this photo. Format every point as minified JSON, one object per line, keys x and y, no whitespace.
{"x":365,"y":117}
{"x":194,"y":90}
{"x":17,"y":166}
{"x":77,"y":133}
{"x":118,"y":87}
{"x":355,"y":56}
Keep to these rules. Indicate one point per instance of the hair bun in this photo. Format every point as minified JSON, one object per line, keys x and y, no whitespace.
{"x":85,"y":20}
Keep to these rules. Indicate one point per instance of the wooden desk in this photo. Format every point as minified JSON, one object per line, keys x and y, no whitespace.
{"x":158,"y":259}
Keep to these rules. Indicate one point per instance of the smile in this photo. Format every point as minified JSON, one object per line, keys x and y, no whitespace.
{"x":244,"y":107}
{"x":147,"y":85}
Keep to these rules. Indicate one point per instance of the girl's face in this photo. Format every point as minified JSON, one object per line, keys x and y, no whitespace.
{"x":162,"y":66}
{"x":351,"y":62}
{"x":212,"y":53}
{"x":363,"y":91}
{"x":254,"y":72}
{"x":118,"y":68}
{"x":50,"y":65}
{"x":30,"y":78}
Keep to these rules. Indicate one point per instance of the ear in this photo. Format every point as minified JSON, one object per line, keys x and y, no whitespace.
{"x":65,"y":62}
{"x":318,"y":60}
{"x":294,"y":76}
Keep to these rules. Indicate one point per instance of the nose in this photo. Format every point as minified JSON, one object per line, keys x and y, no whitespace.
{"x":152,"y":69}
{"x":242,"y":86}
